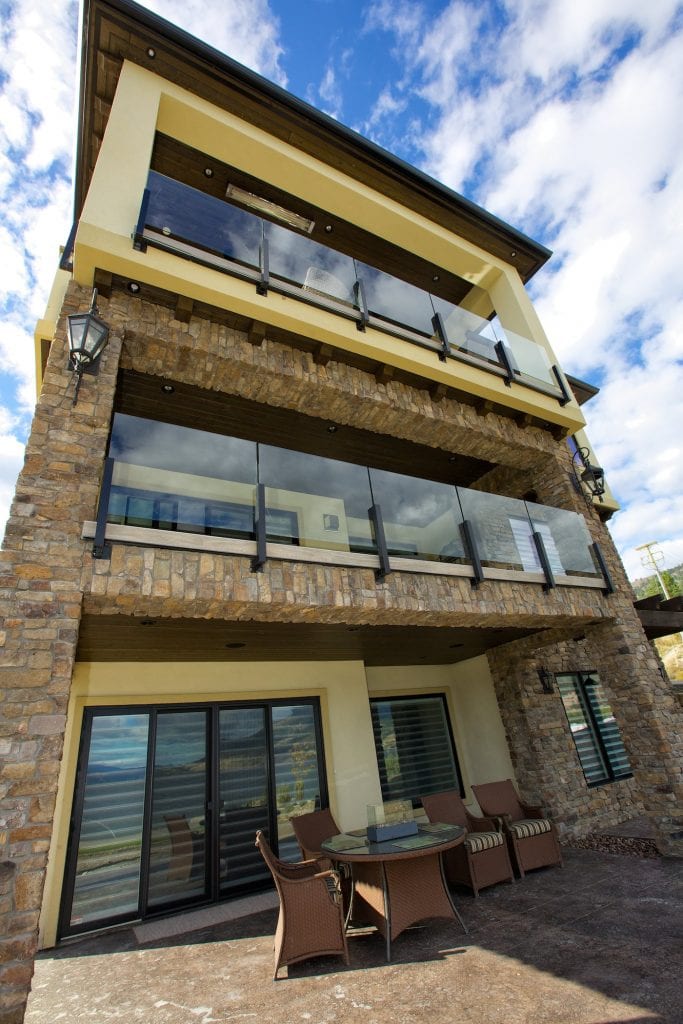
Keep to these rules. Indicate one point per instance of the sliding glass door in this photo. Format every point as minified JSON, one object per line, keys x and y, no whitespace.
{"x":168,"y":800}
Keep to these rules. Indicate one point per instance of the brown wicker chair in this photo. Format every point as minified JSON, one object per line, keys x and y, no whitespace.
{"x":483,"y":858}
{"x":531,"y":837}
{"x":311,"y":921}
{"x":311,"y":830}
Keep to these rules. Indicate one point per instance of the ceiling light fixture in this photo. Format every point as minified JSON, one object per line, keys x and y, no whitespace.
{"x":208,"y":172}
{"x":151,"y":52}
{"x":133,"y":287}
{"x":167,"y":389}
{"x":262,"y":205}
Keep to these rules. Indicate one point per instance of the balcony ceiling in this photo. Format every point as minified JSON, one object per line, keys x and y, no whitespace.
{"x":141,"y":395}
{"x":115,"y":30}
{"x":123,"y":638}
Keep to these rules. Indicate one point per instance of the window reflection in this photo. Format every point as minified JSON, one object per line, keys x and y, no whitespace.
{"x":315,"y":267}
{"x":182,"y":212}
{"x":420,"y":517}
{"x":395,"y":300}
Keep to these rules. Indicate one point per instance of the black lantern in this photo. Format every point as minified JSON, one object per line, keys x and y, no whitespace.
{"x":88,"y":336}
{"x":593,"y":477}
{"x":547,"y":680}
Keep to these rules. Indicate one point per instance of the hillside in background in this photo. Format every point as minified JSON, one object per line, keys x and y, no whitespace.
{"x":648,"y":585}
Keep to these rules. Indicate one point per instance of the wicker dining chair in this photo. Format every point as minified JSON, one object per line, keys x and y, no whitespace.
{"x":531,"y":837}
{"x":483,"y":857}
{"x":311,"y":920}
{"x":311,"y":830}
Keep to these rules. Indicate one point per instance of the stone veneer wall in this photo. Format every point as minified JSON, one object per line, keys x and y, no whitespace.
{"x":48,"y":578}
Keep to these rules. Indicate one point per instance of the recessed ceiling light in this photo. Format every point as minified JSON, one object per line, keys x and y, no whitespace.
{"x":235,"y":645}
{"x":208,"y":171}
{"x":513,"y":253}
{"x":133,"y":287}
{"x":436,"y":277}
{"x":167,"y":389}
{"x":151,"y":52}
{"x":332,"y":428}
{"x":328,"y":228}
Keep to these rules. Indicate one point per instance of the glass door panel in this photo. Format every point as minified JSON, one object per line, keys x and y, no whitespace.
{"x":296,"y":758}
{"x":107,"y":871}
{"x":178,"y":854}
{"x":243,"y":776}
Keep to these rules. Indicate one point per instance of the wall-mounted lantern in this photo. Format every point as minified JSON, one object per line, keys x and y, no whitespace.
{"x":88,"y":336}
{"x":547,"y":680}
{"x":593,"y":477}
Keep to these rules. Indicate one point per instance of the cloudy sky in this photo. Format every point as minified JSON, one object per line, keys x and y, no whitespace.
{"x":563,"y":117}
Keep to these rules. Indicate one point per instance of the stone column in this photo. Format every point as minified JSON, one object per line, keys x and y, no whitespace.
{"x":42,"y":569}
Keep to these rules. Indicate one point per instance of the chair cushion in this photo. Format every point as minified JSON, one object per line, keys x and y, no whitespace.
{"x":478,"y":841}
{"x":529,"y":827}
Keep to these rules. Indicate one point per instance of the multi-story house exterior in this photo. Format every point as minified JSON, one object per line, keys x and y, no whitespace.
{"x":317,"y":533}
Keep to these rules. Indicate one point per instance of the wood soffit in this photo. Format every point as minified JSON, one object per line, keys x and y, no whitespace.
{"x":105,"y":637}
{"x":115,"y":30}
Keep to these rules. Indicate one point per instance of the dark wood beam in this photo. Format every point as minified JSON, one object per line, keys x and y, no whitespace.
{"x":183,"y":309}
{"x":256,"y":333}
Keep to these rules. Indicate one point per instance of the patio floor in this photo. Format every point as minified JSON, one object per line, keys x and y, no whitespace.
{"x":598,"y":941}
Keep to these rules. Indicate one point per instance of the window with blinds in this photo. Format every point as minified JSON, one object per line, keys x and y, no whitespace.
{"x":414,"y":744}
{"x":594,"y":730}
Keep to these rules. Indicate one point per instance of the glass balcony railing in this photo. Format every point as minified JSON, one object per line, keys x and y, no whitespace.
{"x":171,"y":478}
{"x":194,"y":225}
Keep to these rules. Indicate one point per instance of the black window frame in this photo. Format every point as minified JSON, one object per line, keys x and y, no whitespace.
{"x":380,"y":753}
{"x":581,"y":680}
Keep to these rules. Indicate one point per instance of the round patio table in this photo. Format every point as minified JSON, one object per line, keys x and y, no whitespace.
{"x":398,"y":882}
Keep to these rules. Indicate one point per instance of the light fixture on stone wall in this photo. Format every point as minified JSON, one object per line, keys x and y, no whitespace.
{"x":88,"y":336}
{"x":547,"y":680}
{"x":586,"y":473}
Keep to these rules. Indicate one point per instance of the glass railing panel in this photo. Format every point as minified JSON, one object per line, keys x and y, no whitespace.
{"x":316,"y":502}
{"x":168,"y":477}
{"x":566,"y":539}
{"x":396,"y":301}
{"x":530,"y":359}
{"x":467,"y":331}
{"x":319,"y":271}
{"x":502,"y":530}
{"x":181,"y":212}
{"x":421,"y":518}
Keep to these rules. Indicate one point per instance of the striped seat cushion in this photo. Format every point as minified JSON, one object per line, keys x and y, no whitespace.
{"x":529,"y":827}
{"x":478,"y":841}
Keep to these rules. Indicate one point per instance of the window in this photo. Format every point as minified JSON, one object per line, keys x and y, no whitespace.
{"x":415,"y":749}
{"x":594,"y":730}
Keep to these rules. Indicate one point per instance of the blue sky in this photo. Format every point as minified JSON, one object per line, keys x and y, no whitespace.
{"x":565,"y":119}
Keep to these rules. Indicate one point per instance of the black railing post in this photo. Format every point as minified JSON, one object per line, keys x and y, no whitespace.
{"x":375,"y":514}
{"x":600,"y":559}
{"x":264,"y":267}
{"x":139,"y":242}
{"x":506,"y":361}
{"x":100,"y":548}
{"x":566,"y":397}
{"x":440,"y":330}
{"x":472,"y":551}
{"x":259,"y":559}
{"x":544,"y":560}
{"x":361,"y":304}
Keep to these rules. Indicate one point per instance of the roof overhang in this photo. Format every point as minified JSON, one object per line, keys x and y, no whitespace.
{"x":117,"y":30}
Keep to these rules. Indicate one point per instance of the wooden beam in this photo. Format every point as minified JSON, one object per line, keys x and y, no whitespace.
{"x":322,"y":354}
{"x":256,"y":334}
{"x":483,"y":406}
{"x":183,"y":309}
{"x":438,"y":392}
{"x":103,"y":283}
{"x":384,"y":373}
{"x":524,"y":420}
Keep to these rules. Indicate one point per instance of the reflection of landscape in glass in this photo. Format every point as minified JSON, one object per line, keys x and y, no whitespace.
{"x":110,"y":841}
{"x":594,"y":729}
{"x":414,"y":748}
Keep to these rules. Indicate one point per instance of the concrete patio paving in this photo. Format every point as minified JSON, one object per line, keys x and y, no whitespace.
{"x":598,"y":941}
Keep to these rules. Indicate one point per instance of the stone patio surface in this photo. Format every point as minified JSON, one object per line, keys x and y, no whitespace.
{"x":598,"y":941}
